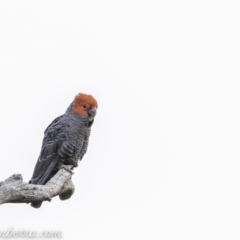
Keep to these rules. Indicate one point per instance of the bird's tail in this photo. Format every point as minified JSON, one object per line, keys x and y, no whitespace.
{"x":36,"y":204}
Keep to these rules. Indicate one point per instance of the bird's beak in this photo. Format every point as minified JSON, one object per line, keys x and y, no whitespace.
{"x":92,"y":113}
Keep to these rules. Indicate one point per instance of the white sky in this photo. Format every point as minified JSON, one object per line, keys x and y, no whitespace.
{"x":163,"y":158}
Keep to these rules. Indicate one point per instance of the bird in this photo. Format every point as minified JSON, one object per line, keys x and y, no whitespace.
{"x":65,"y":140}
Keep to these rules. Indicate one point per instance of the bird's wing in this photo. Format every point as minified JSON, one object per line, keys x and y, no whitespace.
{"x":85,"y":145}
{"x":54,"y":136}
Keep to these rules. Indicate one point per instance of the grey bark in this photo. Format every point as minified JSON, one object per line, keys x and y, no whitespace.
{"x":14,"y":190}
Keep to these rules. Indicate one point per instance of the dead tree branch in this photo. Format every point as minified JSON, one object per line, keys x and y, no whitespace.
{"x":14,"y":190}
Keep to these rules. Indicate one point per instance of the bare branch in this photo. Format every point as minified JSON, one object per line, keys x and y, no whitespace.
{"x":14,"y":190}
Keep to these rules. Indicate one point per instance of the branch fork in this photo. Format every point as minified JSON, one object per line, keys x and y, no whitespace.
{"x":14,"y":190}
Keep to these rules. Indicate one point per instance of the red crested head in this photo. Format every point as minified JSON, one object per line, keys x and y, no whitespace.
{"x":85,"y":105}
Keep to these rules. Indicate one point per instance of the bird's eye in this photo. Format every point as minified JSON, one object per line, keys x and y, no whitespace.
{"x":84,"y":106}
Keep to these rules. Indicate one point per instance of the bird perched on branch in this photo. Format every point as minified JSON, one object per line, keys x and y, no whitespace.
{"x":66,"y":139}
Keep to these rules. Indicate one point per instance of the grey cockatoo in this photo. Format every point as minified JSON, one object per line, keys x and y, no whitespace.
{"x":65,"y":140}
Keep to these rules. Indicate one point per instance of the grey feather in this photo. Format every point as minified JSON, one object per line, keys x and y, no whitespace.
{"x":65,"y":142}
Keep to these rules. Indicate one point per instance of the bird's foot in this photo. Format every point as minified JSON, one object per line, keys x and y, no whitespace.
{"x":68,"y":168}
{"x":75,"y":164}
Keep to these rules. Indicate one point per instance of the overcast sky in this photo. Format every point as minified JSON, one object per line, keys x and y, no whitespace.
{"x":163,"y":158}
